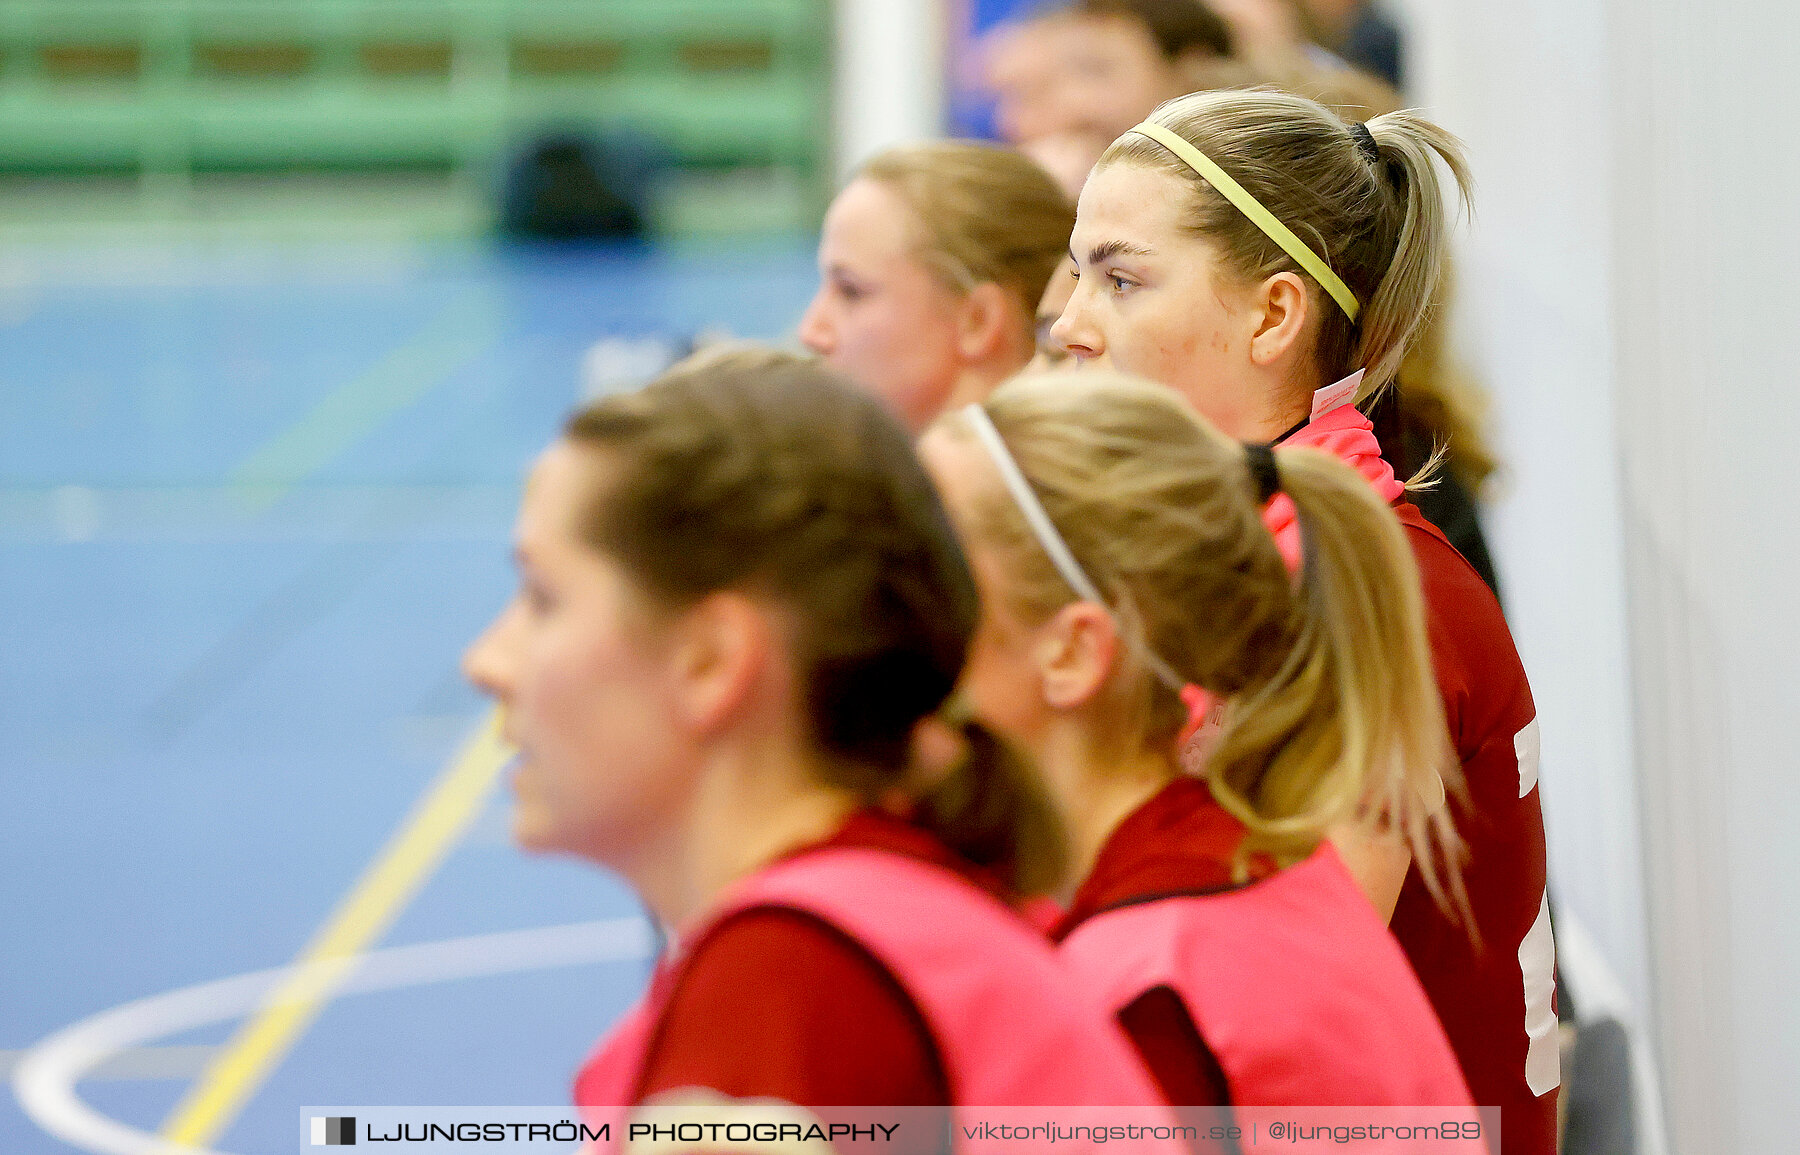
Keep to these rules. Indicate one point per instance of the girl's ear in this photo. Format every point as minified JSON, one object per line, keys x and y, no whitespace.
{"x":719,"y":650}
{"x":1074,"y":652}
{"x":984,"y":321}
{"x":1280,"y":309}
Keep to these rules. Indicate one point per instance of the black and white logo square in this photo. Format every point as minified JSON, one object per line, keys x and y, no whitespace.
{"x":333,"y":1131}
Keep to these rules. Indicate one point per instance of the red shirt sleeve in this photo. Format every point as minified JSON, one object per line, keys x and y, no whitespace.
{"x":776,"y":1003}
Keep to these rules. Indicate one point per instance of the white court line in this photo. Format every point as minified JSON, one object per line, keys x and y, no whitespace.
{"x":44,"y":1080}
{"x":137,"y":1063}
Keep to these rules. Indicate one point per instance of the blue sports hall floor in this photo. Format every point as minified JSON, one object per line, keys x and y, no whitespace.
{"x":254,"y":500}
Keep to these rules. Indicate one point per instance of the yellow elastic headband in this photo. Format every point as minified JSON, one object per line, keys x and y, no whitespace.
{"x":1261,"y":217}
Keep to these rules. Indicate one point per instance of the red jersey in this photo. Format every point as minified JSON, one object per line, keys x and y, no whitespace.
{"x":761,"y":1007}
{"x":1012,"y":1026}
{"x":1497,"y":1001}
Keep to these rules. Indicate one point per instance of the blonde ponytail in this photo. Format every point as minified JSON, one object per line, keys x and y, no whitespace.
{"x":1331,"y":712}
{"x":1349,"y":726}
{"x":1408,"y":144}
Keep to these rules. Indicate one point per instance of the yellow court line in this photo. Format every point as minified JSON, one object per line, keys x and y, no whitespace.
{"x":408,"y":861}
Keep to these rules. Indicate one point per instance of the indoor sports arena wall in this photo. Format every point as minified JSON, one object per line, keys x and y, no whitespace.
{"x":169,"y":88}
{"x":1625,"y":294}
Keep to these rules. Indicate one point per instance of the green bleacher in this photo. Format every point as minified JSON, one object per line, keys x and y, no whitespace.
{"x":188,"y":86}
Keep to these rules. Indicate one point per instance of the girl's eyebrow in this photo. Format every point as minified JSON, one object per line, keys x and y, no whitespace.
{"x":1106,"y":250}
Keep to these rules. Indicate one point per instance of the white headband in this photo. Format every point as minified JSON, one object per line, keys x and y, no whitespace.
{"x":1045,"y":530}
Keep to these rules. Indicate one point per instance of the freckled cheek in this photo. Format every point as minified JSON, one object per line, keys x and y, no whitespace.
{"x":1166,"y":348}
{"x":1135,"y":341}
{"x":1187,"y":340}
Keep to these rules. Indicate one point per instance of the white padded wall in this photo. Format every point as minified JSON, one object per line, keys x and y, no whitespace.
{"x":1525,"y":86}
{"x":1708,"y":273}
{"x":1628,"y":293}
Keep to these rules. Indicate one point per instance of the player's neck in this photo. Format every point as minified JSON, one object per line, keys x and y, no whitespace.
{"x":1094,"y":787}
{"x":752,"y":806}
{"x":976,"y":381}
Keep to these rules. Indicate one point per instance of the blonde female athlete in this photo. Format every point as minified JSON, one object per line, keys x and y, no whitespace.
{"x":931,"y":264}
{"x":1272,"y":264}
{"x":1124,"y":566}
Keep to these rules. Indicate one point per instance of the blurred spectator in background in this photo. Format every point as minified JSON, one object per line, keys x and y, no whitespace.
{"x":1360,"y":33}
{"x":931,"y":264}
{"x":1070,"y":79}
{"x":1050,"y":354}
{"x":1273,"y":44}
{"x":1098,"y":64}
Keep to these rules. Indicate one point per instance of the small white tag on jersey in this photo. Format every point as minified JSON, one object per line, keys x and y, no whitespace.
{"x":1537,"y":963}
{"x":1525,"y":746}
{"x":1336,"y":394}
